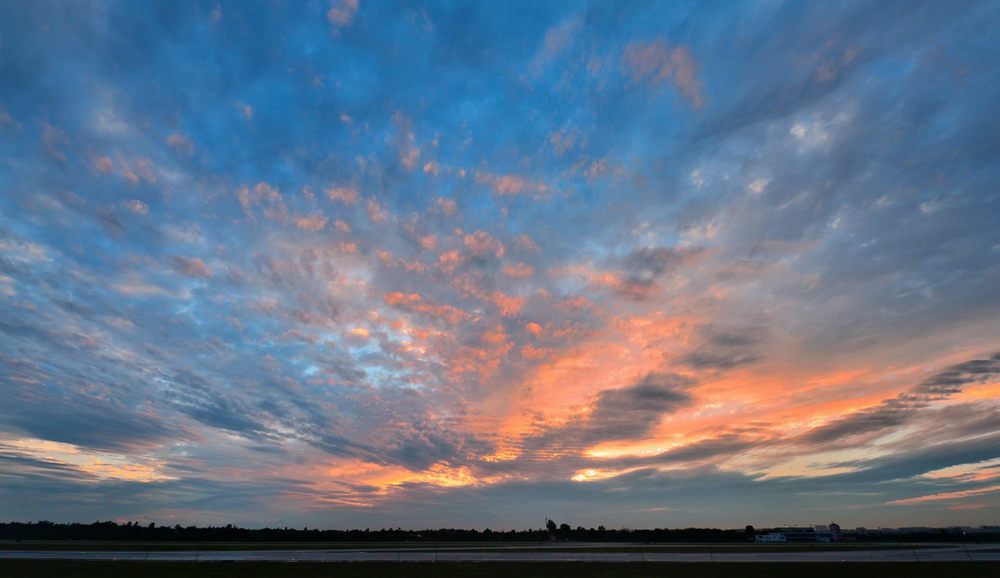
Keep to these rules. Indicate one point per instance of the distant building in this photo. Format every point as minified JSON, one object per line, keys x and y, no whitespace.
{"x":771,"y":538}
{"x":816,"y":534}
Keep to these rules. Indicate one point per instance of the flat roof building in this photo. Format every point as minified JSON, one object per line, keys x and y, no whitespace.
{"x":816,"y":534}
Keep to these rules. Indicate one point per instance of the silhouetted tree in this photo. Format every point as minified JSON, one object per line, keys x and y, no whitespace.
{"x":132,"y":531}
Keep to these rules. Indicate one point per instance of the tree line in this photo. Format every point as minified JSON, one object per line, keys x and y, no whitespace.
{"x":134,"y":531}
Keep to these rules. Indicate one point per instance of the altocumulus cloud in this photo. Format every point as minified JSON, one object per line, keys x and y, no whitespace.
{"x":685,"y":265}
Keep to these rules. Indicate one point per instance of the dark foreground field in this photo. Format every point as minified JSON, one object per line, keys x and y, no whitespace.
{"x":92,"y":546}
{"x":73,"y":569}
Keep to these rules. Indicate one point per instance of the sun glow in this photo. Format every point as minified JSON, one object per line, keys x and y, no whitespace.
{"x":100,"y":465}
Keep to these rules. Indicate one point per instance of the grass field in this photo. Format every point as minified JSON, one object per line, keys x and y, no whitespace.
{"x":711,"y":548}
{"x":71,"y":569}
{"x":431,"y":546}
{"x":222,"y":546}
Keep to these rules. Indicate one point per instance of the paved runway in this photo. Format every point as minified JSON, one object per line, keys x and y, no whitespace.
{"x":949,"y":553}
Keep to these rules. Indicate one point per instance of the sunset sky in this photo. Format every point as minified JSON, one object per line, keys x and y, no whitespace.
{"x":471,"y":264}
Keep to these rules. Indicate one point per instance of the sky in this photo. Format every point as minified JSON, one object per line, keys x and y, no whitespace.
{"x":474,"y":264}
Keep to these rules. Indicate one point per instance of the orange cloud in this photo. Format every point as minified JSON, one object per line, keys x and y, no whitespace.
{"x":341,"y":13}
{"x":414,"y":303}
{"x":180,"y":142}
{"x":342,"y":227}
{"x":509,"y":306}
{"x":409,"y":154}
{"x":376,"y":212}
{"x":602,"y":168}
{"x":446,"y":206}
{"x":315,"y":222}
{"x":518,"y":271}
{"x":557,"y":40}
{"x":656,"y":62}
{"x":245,"y":108}
{"x":449,"y":260}
{"x":137,"y":169}
{"x":104,"y":164}
{"x":481,"y":244}
{"x":100,"y":464}
{"x":266,"y":195}
{"x":944,"y":496}
{"x":137,"y":207}
{"x":428,"y":242}
{"x":562,"y":141}
{"x":390,"y":260}
{"x":191,"y":267}
{"x":481,"y":361}
{"x":525,"y":243}
{"x":592,"y":360}
{"x":346,"y":195}
{"x":529,"y":351}
{"x":510,"y":184}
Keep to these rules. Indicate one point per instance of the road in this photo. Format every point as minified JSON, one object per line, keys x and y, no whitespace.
{"x":946,"y":553}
